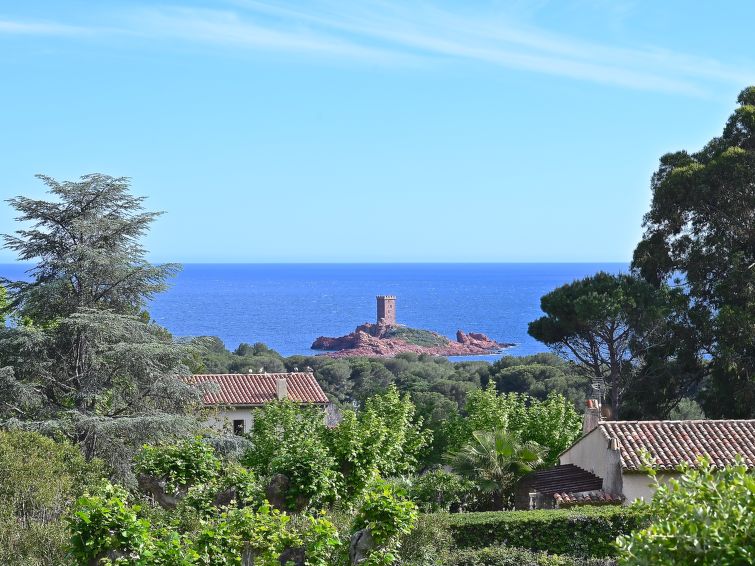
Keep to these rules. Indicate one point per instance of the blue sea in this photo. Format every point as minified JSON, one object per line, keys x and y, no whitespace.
{"x":287,"y":306}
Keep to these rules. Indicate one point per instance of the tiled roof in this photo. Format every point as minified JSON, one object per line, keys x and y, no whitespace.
{"x":591,"y":498}
{"x":564,"y":478}
{"x":258,"y":388}
{"x":672,"y":442}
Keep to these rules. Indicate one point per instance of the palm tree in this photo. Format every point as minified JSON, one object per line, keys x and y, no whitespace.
{"x":495,"y":460}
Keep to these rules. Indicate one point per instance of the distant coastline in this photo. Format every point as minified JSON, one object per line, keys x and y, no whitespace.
{"x":286,"y":306}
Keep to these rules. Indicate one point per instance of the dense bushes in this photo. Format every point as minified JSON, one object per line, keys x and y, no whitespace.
{"x":325,"y":465}
{"x":110,"y":526}
{"x":39,"y":480}
{"x":507,"y":556}
{"x":440,"y":490}
{"x":586,"y":532}
{"x":553,"y":423}
{"x":705,"y":517}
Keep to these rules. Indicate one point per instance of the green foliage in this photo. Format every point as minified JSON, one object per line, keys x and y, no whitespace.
{"x":508,"y":556}
{"x":104,"y":523}
{"x":215,"y":358}
{"x":553,"y":423}
{"x":39,"y":480}
{"x":440,"y":490}
{"x":181,"y":464}
{"x":87,"y":361}
{"x":388,"y":515}
{"x":323,"y":465}
{"x":428,"y":544}
{"x":383,"y":439}
{"x":598,"y":321}
{"x":320,"y":540}
{"x":262,"y":533}
{"x":232,"y":478}
{"x":495,"y":460}
{"x":705,"y":517}
{"x":540,"y":375}
{"x":291,"y":440}
{"x":698,"y":236}
{"x":417,"y":336}
{"x":589,"y":531}
{"x":108,"y":529}
{"x":687,"y":409}
{"x":386,"y":512}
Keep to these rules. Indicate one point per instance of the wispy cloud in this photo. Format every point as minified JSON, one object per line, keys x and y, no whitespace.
{"x":21,"y":27}
{"x":242,"y":30}
{"x":390,"y":32}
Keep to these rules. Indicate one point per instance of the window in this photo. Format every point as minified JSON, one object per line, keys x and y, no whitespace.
{"x":238,"y":426}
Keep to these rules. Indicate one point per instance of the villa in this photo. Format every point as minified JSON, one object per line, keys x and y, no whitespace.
{"x":235,"y":396}
{"x":605,"y":466}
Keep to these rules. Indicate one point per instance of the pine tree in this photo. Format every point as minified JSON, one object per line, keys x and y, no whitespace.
{"x":83,"y":358}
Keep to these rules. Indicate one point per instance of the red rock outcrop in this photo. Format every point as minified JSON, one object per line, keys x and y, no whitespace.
{"x":374,"y":340}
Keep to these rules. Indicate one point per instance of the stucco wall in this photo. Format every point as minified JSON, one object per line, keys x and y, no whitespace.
{"x":637,"y":486}
{"x":592,"y":453}
{"x":588,"y":453}
{"x":223,"y":420}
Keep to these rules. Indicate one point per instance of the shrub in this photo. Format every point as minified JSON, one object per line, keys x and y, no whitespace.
{"x":105,"y":523}
{"x":385,"y":512}
{"x":234,"y":480}
{"x":705,"y":517}
{"x":39,"y":480}
{"x":182,"y":464}
{"x":439,"y":490}
{"x":261,"y":532}
{"x":507,"y":556}
{"x":107,"y":527}
{"x":387,"y":515}
{"x":289,"y":440}
{"x":584,"y":532}
{"x":428,"y":544}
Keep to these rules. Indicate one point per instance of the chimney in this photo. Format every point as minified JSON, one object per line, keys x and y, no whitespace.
{"x":281,"y":388}
{"x":592,"y":416}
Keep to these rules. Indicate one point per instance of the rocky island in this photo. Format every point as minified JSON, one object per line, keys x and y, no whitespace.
{"x":386,"y":338}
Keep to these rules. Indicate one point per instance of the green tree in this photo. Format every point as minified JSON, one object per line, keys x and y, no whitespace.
{"x":553,"y":423}
{"x":540,"y":375}
{"x":706,"y":517}
{"x":495,"y":461}
{"x":601,"y":322}
{"x":700,"y":233}
{"x":291,"y":440}
{"x":87,"y":361}
{"x":384,"y":439}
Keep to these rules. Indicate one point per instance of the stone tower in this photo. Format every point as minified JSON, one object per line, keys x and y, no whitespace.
{"x":386,"y":310}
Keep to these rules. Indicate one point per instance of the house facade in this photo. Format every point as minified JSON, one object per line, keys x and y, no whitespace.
{"x":606,"y":464}
{"x":235,"y":396}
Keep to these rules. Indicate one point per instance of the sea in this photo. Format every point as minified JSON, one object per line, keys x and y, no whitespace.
{"x":287,"y":306}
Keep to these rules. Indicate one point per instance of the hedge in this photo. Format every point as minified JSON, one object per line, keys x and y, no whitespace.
{"x":588,"y":531}
{"x":507,"y":556}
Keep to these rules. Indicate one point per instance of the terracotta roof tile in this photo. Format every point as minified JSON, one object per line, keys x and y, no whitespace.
{"x":672,"y":442}
{"x":570,"y":499}
{"x":246,"y":389}
{"x":563,"y":478}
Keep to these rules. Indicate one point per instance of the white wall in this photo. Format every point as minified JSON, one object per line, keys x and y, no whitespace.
{"x":588,"y":453}
{"x":637,"y":486}
{"x":223,"y":419}
{"x":592,"y":453}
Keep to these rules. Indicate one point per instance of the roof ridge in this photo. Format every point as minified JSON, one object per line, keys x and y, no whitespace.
{"x":681,"y":421}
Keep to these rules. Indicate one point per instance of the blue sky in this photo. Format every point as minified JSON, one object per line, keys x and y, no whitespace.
{"x":370,"y":131}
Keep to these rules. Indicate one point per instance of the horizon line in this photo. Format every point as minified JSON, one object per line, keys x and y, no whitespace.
{"x":625,"y":262}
